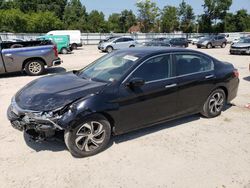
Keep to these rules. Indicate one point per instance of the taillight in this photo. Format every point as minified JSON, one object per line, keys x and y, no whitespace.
{"x":236,"y":73}
{"x":55,"y":51}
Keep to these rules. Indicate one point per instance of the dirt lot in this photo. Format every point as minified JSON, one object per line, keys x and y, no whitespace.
{"x":190,"y":152}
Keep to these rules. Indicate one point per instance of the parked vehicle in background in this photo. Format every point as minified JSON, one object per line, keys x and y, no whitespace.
{"x":178,"y":42}
{"x":107,"y":39}
{"x":116,"y":44}
{"x":236,"y":40}
{"x":14,"y":40}
{"x":160,"y":39}
{"x":123,"y":91}
{"x":195,"y":39}
{"x":32,"y":57}
{"x":74,"y":37}
{"x":61,"y":42}
{"x":241,"y":47}
{"x":156,"y":44}
{"x":212,"y":41}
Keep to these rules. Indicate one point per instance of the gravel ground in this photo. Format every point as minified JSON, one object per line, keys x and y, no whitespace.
{"x":190,"y":152}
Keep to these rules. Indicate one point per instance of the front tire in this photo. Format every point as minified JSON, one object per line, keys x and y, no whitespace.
{"x":214,"y":104}
{"x":88,"y":137}
{"x":209,"y":46}
{"x":109,"y":49}
{"x":34,"y":67}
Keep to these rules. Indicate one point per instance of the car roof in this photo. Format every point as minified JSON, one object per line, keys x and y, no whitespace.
{"x":148,"y":51}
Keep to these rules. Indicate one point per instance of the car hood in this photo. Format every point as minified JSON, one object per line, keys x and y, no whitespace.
{"x":241,"y":45}
{"x":54,"y":92}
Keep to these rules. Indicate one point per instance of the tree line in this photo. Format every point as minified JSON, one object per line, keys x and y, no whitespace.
{"x":41,"y":16}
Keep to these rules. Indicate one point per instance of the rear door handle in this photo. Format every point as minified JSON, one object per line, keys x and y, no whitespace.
{"x":209,"y":76}
{"x":170,"y":85}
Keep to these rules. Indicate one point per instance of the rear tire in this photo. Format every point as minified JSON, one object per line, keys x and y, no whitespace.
{"x":223,"y":45}
{"x":34,"y":67}
{"x":214,"y":104}
{"x":88,"y":137}
{"x":64,"y":51}
{"x":132,"y":46}
{"x":74,"y":46}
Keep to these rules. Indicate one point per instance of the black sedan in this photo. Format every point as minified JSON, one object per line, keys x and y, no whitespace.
{"x":121,"y":92}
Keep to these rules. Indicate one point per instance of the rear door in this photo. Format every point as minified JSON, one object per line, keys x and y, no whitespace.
{"x":196,"y":76}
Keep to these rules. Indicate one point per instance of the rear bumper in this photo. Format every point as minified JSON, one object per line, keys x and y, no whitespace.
{"x":233,"y":89}
{"x":57,"y":62}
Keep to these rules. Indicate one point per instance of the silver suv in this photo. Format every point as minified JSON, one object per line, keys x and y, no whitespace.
{"x":212,"y":41}
{"x":117,"y":43}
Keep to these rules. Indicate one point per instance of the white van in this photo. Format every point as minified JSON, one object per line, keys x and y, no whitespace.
{"x":75,"y":36}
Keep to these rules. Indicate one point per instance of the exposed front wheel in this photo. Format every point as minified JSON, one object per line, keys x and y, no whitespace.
{"x":214,"y":104}
{"x":209,"y":45}
{"x":89,"y":137}
{"x":34,"y":67}
{"x":109,"y":49}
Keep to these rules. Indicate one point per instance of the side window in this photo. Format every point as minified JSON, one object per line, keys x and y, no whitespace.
{"x":120,"y":40}
{"x":191,"y":63}
{"x":154,"y":69}
{"x":128,"y":39}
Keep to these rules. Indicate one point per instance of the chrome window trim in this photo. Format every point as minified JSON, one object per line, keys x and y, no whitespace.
{"x":171,"y":54}
{"x":191,"y":53}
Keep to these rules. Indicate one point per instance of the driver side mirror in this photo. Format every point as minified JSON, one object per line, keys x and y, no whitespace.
{"x":135,"y":82}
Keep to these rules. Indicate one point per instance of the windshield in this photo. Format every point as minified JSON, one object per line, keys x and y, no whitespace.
{"x":244,"y":40}
{"x":109,"y":68}
{"x":205,"y":38}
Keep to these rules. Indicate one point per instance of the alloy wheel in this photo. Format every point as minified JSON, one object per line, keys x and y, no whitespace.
{"x":216,"y":103}
{"x":90,"y":136}
{"x":35,"y":67}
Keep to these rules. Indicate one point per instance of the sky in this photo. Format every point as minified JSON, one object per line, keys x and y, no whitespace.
{"x":116,"y":6}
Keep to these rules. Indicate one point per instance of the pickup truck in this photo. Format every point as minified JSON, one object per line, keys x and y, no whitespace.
{"x":31,"y":57}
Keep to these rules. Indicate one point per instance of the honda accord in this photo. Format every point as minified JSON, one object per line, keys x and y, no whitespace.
{"x":121,"y":92}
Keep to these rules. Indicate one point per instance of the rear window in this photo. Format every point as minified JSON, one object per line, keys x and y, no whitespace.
{"x":193,"y":63}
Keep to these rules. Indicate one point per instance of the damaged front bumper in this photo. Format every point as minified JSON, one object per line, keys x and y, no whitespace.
{"x":42,"y":124}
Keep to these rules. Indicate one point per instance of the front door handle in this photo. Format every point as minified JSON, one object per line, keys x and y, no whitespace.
{"x":209,"y":76}
{"x":170,"y":85}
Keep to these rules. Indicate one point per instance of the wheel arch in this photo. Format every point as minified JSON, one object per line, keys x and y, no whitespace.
{"x":33,"y":58}
{"x":224,"y":89}
{"x":108,"y":47}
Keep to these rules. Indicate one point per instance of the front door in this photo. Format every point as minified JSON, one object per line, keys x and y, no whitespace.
{"x":152,"y":102}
